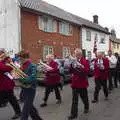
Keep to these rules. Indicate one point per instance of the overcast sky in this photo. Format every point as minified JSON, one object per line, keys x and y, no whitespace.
{"x":107,"y":10}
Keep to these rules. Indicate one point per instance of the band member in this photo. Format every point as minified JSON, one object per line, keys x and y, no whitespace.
{"x":28,"y":85}
{"x":117,"y":69}
{"x":52,"y":80}
{"x":79,"y":84}
{"x":7,"y":85}
{"x":101,"y":66}
{"x":113,"y":62}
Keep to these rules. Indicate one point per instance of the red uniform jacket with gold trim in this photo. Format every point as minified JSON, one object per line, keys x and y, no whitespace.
{"x":53,"y":76}
{"x":80,"y":79}
{"x":5,"y":82}
{"x":98,"y":74}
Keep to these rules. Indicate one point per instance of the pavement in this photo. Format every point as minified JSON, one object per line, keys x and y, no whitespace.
{"x":103,"y":110}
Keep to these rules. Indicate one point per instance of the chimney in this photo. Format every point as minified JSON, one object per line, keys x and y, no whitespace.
{"x":95,"y":19}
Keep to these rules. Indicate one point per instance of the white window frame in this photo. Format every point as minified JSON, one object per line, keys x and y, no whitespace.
{"x":88,"y":35}
{"x":65,"y":52}
{"x":102,"y":39}
{"x":47,"y":48}
{"x":65,"y":28}
{"x":89,"y":55}
{"x":47,"y":24}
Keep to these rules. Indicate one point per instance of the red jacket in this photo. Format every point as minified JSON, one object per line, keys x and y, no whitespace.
{"x":52,"y":76}
{"x":5,"y":82}
{"x":98,"y":74}
{"x":80,"y":80}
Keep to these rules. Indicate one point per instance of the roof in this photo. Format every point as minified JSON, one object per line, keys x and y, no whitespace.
{"x":116,"y":40}
{"x":44,"y":7}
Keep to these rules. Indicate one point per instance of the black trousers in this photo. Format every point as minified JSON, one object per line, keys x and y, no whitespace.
{"x":118,"y":76}
{"x":111,"y":77}
{"x":10,"y":97}
{"x":84,"y":96}
{"x":51,"y":88}
{"x":98,"y":84}
{"x":28,"y":108}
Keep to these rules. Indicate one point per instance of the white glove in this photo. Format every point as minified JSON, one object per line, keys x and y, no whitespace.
{"x":102,"y":67}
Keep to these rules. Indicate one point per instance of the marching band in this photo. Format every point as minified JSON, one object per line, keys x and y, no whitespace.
{"x":23,"y":74}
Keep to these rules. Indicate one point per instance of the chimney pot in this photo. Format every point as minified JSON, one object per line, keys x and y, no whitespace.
{"x":95,"y":19}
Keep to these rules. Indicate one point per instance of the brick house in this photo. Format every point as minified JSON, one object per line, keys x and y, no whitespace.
{"x":45,"y":29}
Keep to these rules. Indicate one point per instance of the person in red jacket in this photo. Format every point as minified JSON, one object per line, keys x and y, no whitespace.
{"x":52,"y":80}
{"x":79,"y":69}
{"x":7,"y":85}
{"x":101,"y":66}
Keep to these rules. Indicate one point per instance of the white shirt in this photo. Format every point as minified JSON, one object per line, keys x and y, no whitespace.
{"x":112,"y":61}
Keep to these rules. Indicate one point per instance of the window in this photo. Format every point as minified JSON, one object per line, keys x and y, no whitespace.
{"x":66,"y":51}
{"x":102,"y":40}
{"x":65,"y":28}
{"x":88,"y":35}
{"x":47,"y":50}
{"x":117,"y":46}
{"x":47,"y":24}
{"x":96,"y":37}
{"x":114,"y":45}
{"x":89,"y":55}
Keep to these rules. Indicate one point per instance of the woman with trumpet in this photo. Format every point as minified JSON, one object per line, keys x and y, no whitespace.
{"x":28,"y":85}
{"x":7,"y":85}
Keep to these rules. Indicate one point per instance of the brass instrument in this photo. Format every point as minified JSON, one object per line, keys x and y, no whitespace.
{"x":44,"y":66}
{"x":17,"y":70}
{"x":5,"y":54}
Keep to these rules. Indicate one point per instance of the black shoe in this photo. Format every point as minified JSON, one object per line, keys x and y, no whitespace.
{"x":86,"y":111}
{"x":16,"y":116}
{"x":94,"y":101}
{"x":58,"y":102}
{"x":72,"y":117}
{"x":43,"y":105}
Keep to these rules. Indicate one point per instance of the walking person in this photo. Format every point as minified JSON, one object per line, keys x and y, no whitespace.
{"x":101,"y":67}
{"x":52,"y":80}
{"x":7,"y":84}
{"x":117,"y":70}
{"x":79,"y":70}
{"x":113,"y":62}
{"x":28,"y":85}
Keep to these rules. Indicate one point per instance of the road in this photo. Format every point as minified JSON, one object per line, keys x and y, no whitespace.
{"x":103,"y":110}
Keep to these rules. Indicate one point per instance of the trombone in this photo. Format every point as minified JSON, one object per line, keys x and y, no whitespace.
{"x":44,"y":66}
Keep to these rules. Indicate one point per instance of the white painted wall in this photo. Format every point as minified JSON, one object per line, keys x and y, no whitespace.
{"x":10,"y":25}
{"x":88,"y":45}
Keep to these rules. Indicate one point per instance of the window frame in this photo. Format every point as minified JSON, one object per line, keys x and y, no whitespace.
{"x":88,"y":35}
{"x":66,"y":50}
{"x":47,"y":48}
{"x":102,"y":39}
{"x":65,"y":28}
{"x":48,"y":25}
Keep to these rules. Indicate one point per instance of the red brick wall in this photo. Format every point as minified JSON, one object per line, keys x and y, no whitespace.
{"x":30,"y":35}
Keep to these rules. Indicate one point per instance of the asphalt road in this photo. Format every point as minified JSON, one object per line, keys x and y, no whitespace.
{"x":103,"y":110}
